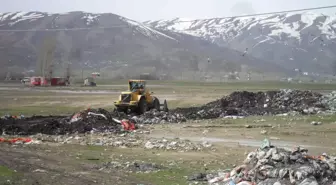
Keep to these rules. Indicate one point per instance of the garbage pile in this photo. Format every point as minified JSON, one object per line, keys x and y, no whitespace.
{"x":85,"y":121}
{"x":243,"y":103}
{"x":156,"y":117}
{"x":89,"y":120}
{"x":272,"y":165}
{"x":330,"y":101}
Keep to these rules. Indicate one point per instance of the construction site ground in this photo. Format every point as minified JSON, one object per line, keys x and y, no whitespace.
{"x":54,"y":163}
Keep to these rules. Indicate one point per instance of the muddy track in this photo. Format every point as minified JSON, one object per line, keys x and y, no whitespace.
{"x":48,"y":166}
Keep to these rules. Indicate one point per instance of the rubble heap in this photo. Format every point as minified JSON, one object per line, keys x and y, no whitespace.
{"x":154,"y":117}
{"x":243,"y":103}
{"x":272,"y":165}
{"x":61,"y":125}
{"x":330,"y":101}
{"x":98,"y":120}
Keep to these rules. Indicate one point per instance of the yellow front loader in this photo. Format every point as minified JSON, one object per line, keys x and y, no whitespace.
{"x":138,"y":99}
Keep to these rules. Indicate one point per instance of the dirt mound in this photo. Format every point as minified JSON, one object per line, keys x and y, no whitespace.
{"x":270,"y":165}
{"x":98,"y":120}
{"x":245,"y":103}
{"x":58,"y":125}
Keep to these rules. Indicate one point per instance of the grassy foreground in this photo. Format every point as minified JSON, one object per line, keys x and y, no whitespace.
{"x":75,"y":164}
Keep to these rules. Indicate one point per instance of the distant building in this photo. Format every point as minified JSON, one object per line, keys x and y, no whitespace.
{"x":95,"y":74}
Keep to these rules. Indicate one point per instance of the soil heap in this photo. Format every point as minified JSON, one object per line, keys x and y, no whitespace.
{"x":98,"y":120}
{"x":244,"y":103}
{"x":59,"y":125}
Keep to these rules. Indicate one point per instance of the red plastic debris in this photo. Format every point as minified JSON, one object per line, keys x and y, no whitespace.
{"x":14,"y":140}
{"x":127,"y":125}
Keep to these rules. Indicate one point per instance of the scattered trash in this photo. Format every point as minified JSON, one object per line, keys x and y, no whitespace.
{"x":127,"y":125}
{"x":132,"y":166}
{"x":16,"y":140}
{"x":40,"y":170}
{"x":177,"y":144}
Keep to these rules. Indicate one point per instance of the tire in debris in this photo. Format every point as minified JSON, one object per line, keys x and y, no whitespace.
{"x":142,"y":106}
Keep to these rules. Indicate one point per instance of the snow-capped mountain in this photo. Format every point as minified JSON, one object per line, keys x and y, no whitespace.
{"x":294,"y":40}
{"x":16,"y":19}
{"x":109,"y":40}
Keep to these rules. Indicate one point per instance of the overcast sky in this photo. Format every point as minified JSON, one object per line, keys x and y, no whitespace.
{"x":142,"y":10}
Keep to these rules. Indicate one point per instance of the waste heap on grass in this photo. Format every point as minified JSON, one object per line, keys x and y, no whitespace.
{"x":85,"y":121}
{"x":270,"y":165}
{"x":330,"y":101}
{"x":243,"y":103}
{"x":90,"y":120}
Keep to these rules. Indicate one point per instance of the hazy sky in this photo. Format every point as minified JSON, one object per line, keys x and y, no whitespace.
{"x":142,"y":10}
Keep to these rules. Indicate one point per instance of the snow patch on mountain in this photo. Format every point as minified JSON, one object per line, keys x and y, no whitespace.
{"x":91,"y":18}
{"x":145,"y":30}
{"x":280,"y":24}
{"x":16,"y":17}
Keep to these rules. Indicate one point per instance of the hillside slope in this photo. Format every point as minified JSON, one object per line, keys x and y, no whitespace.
{"x":114,"y":43}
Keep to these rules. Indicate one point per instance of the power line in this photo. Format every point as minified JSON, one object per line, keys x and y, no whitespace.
{"x":268,"y":13}
{"x":140,"y":24}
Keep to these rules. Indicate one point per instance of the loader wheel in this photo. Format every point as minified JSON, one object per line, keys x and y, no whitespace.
{"x":142,"y":106}
{"x":156,"y":104}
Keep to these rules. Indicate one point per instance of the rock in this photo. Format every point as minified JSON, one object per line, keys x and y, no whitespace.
{"x":263,"y":132}
{"x":149,"y":145}
{"x":316,"y":123}
{"x":198,"y":177}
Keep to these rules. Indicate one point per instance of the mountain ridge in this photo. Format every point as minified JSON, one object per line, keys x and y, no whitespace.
{"x":299,"y":37}
{"x":115,"y":43}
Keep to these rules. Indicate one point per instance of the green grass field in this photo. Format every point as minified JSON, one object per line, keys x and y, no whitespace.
{"x":15,"y":99}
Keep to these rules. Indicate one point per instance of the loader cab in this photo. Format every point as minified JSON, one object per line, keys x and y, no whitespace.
{"x":137,"y":85}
